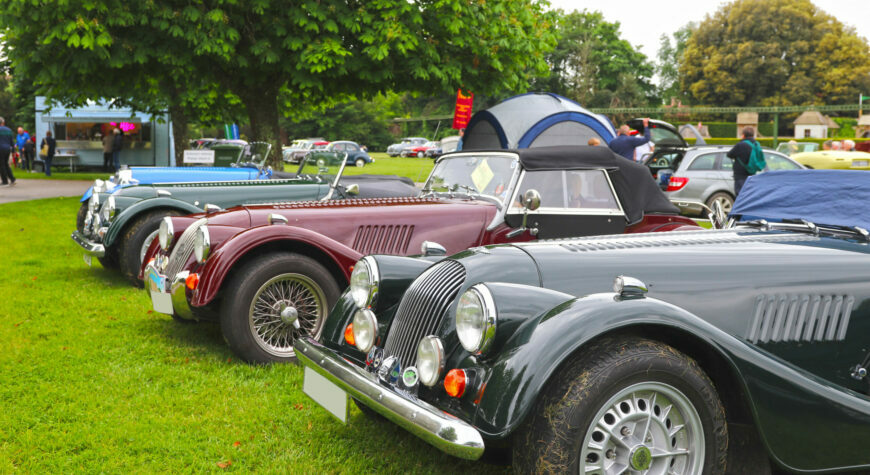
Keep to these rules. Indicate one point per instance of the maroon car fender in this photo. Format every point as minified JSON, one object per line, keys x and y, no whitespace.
{"x":219,"y":264}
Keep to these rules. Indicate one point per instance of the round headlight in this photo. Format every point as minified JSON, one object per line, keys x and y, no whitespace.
{"x":364,"y":282}
{"x":94,"y":202}
{"x":365,"y":329}
{"x":99,"y":186}
{"x":476,"y":319}
{"x":202,"y":244}
{"x":166,"y":233}
{"x":107,"y":212}
{"x":430,"y":360}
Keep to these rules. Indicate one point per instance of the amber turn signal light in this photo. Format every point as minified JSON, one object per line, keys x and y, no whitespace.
{"x":192,"y":281}
{"x":348,"y":335}
{"x":454,"y":382}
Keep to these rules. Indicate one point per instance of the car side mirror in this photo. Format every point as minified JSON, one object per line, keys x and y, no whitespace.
{"x":717,"y":216}
{"x":431,"y":248}
{"x":531,"y":202}
{"x":352,"y":190}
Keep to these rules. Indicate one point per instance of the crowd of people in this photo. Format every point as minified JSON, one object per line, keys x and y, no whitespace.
{"x":20,"y":150}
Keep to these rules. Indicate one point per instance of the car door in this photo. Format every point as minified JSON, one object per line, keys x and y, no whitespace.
{"x":704,"y":177}
{"x":573,"y":203}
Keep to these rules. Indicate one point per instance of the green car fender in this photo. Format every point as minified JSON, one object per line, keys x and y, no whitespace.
{"x":536,"y":348}
{"x":131,"y":213}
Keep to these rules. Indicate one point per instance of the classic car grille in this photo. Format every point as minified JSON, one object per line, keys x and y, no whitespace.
{"x":383,"y":239}
{"x":422,"y":309}
{"x":800,"y":318}
{"x":183,"y":249}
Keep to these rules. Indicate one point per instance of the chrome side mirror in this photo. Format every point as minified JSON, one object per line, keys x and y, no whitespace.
{"x":717,"y":216}
{"x":531,"y":200}
{"x":352,"y":190}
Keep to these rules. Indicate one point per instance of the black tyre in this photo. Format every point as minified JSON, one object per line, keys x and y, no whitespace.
{"x":135,"y":240}
{"x":724,"y":199}
{"x":266,"y":295}
{"x":628,"y":405}
{"x":110,"y":260}
{"x":80,"y":217}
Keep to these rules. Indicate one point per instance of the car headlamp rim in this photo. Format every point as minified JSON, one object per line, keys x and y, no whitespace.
{"x":365,"y":297}
{"x":165,"y":233}
{"x":107,"y":211}
{"x":94,"y":202}
{"x":482,"y":341}
{"x":430,"y":374}
{"x":202,"y":244}
{"x":364,"y":320}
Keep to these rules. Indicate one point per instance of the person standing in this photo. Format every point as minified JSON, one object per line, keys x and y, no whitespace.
{"x":21,"y":141}
{"x":461,"y":138}
{"x":107,"y":151}
{"x":29,"y":153}
{"x":742,"y":154}
{"x":624,"y":144}
{"x":117,"y":144}
{"x":7,"y":143}
{"x":51,"y":145}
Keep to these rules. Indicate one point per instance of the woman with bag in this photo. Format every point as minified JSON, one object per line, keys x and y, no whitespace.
{"x":48,"y":147}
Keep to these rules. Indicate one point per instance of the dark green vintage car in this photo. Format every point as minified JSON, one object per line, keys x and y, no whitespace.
{"x":725,"y":351}
{"x":118,"y":228}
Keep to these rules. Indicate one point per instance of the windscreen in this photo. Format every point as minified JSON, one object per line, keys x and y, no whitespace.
{"x":473,"y":174}
{"x":323,"y":164}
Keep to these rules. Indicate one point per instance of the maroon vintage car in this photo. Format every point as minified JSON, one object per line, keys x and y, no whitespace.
{"x":271,"y":273}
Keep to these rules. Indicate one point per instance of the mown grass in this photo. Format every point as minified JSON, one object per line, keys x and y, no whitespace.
{"x":92,"y":381}
{"x":416,"y":169}
{"x":56,"y":175}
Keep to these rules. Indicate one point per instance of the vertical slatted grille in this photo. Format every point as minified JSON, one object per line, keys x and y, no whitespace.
{"x":800,"y":318}
{"x":183,"y":249}
{"x":374,"y":239}
{"x":422,"y":309}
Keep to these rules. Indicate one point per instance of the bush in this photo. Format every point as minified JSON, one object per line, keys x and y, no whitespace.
{"x":729,"y":129}
{"x":765,"y":142}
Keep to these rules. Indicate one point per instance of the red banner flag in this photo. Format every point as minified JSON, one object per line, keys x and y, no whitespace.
{"x":462,"y":113}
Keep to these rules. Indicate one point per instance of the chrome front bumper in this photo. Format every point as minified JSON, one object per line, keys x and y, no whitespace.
{"x":91,"y":248}
{"x":440,"y":429}
{"x":160,"y":285}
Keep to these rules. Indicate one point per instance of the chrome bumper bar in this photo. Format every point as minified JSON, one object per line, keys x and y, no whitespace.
{"x":438,"y":428}
{"x":93,"y":248}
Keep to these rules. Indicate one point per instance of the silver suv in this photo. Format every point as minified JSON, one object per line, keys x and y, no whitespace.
{"x":703,"y":175}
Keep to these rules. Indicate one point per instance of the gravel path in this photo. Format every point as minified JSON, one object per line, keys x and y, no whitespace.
{"x":25,"y":189}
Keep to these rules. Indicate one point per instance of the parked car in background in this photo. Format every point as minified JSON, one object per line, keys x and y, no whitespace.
{"x":445,"y":145}
{"x":353,"y":153}
{"x":419,"y":151}
{"x":834,"y":159}
{"x":118,"y":228}
{"x":664,"y":136}
{"x":396,"y":149}
{"x":640,"y":353}
{"x":272,"y":273}
{"x":300,"y":148}
{"x":700,"y":176}
{"x":791,"y":147}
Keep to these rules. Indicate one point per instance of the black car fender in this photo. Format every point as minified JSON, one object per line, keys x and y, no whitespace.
{"x":124,"y":217}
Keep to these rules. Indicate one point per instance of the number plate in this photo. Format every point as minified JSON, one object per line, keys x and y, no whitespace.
{"x":87,"y":258}
{"x":160,"y":299}
{"x":859,"y":163}
{"x":325,"y":393}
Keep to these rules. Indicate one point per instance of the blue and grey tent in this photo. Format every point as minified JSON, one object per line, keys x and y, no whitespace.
{"x":535,"y":120}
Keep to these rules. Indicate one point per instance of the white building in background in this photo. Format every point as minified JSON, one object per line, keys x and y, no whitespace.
{"x":813,"y":125}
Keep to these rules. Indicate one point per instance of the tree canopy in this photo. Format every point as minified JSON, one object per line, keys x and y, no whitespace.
{"x":273,"y":56}
{"x":774,"y":52}
{"x":669,"y":59}
{"x":593,"y":65}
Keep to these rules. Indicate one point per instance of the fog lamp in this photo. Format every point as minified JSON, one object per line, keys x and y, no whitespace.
{"x":430,"y":360}
{"x":365,"y":329}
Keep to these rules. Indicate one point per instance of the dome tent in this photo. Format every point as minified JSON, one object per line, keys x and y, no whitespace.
{"x":535,"y":120}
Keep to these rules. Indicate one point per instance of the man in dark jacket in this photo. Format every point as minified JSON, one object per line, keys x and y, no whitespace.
{"x":7,"y":143}
{"x":624,"y":144}
{"x":51,"y":144}
{"x":117,"y":144}
{"x":741,"y":153}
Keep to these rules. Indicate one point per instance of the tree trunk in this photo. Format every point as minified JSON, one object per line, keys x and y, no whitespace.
{"x":262,"y":107}
{"x":180,"y":132}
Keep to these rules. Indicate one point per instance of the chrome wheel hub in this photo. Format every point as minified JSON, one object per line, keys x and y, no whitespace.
{"x":648,"y":428}
{"x":284,"y":308}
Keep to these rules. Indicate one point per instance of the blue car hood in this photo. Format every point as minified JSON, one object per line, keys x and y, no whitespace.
{"x":151,"y":175}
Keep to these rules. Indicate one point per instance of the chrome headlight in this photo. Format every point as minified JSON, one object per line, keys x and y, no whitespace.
{"x":430,"y":360}
{"x":365,"y":329}
{"x":125,"y":176}
{"x":99,"y":186}
{"x":107,"y":212}
{"x":476,"y":319}
{"x":364,"y":282}
{"x":94,"y":202}
{"x":166,"y":233}
{"x":202,"y":244}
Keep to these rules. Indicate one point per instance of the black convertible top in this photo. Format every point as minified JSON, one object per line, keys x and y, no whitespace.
{"x":633,"y":182}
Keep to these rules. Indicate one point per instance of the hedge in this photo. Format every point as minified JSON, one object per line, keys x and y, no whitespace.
{"x":729,"y":129}
{"x":765,"y":142}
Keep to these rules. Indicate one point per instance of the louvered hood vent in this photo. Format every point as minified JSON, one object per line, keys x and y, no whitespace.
{"x":386,"y":239}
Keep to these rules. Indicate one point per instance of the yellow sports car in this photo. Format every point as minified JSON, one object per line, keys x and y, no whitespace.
{"x":834,"y":159}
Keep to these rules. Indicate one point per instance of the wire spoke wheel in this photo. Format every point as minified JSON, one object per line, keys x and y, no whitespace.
{"x":646,"y":428}
{"x":284,"y":308}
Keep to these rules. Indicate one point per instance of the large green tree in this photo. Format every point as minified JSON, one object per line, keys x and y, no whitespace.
{"x":669,"y":59}
{"x":275,"y":55}
{"x":774,"y":52}
{"x":593,"y":65}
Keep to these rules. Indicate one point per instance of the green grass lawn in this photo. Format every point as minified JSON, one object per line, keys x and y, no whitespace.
{"x":416,"y":169}
{"x":56,"y":175}
{"x":93,"y":381}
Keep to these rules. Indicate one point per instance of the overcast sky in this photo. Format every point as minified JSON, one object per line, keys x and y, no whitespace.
{"x":642,"y":23}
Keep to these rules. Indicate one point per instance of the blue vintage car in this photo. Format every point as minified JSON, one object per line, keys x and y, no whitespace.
{"x":235,"y":161}
{"x":736,"y":350}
